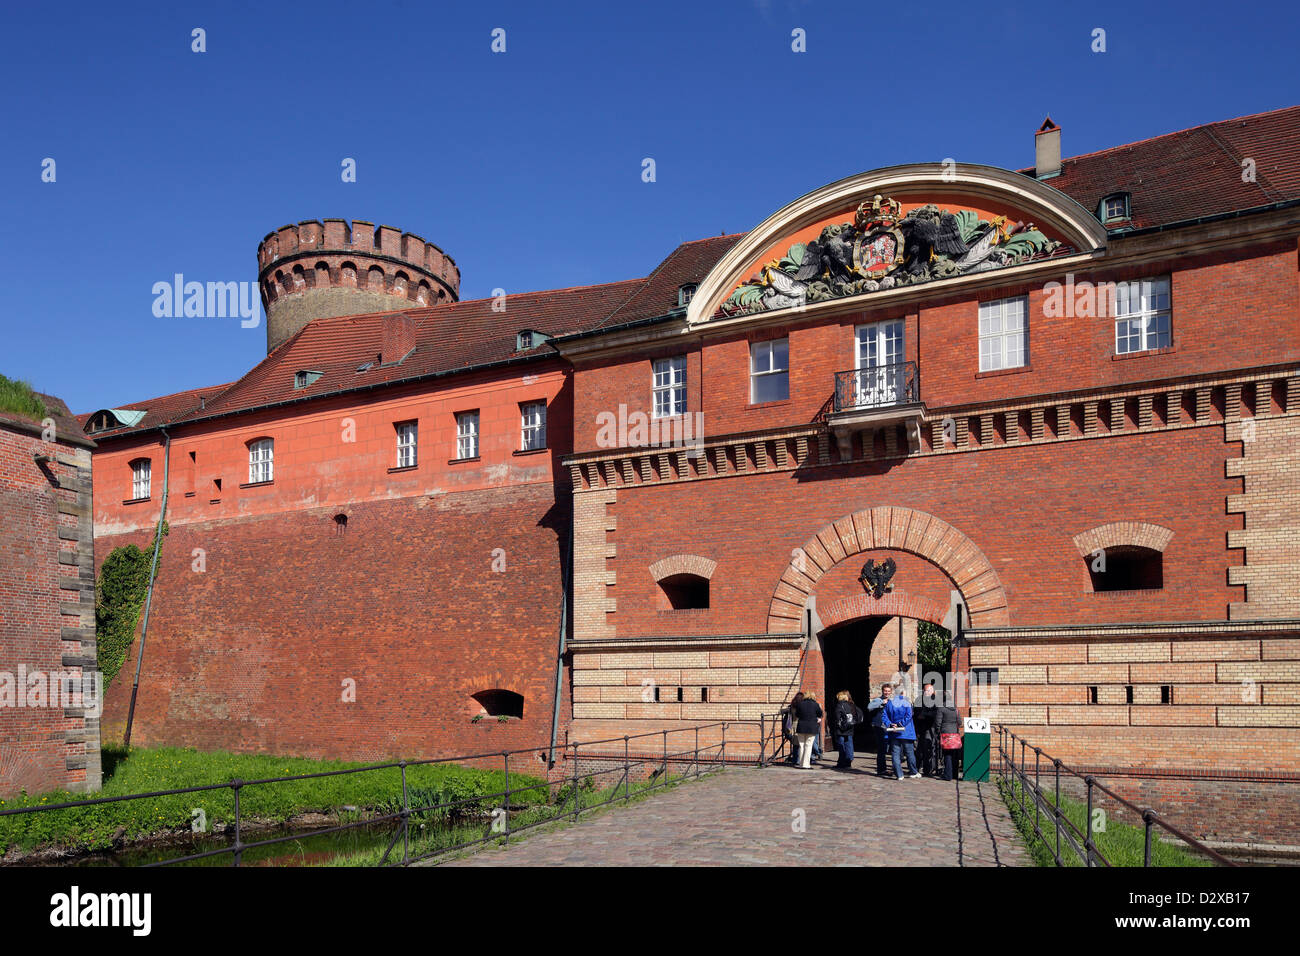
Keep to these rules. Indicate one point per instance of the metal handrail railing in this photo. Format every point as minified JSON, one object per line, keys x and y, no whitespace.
{"x":879,"y":386}
{"x":1080,"y":841}
{"x":715,"y":754}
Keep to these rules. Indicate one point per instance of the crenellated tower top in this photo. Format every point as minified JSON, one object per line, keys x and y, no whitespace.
{"x":311,"y":269}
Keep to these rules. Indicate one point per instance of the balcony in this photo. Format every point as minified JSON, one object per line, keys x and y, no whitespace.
{"x":880,"y":397}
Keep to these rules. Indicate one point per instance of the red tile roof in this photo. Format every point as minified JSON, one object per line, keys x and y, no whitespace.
{"x":163,"y":410}
{"x":1193,"y":172}
{"x":689,"y":263}
{"x":1171,"y":178}
{"x":448,"y":338}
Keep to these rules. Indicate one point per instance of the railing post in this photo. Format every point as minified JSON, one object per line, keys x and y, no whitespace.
{"x":1057,"y":808}
{"x":239,"y":845}
{"x":696,"y":756}
{"x":506,"y":808}
{"x":665,"y":756}
{"x":1087,"y":843}
{"x":575,"y":783}
{"x":1021,"y":773}
{"x":627,"y":773}
{"x":1038,"y":790}
{"x":762,"y":740}
{"x":1147,"y":817}
{"x":406,"y":816}
{"x":722,"y":754}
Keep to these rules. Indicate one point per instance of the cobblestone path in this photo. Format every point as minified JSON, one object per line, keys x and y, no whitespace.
{"x":747,"y":817}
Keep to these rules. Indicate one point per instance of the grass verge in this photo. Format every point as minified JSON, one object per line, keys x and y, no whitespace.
{"x":1120,"y":843}
{"x":142,"y":770}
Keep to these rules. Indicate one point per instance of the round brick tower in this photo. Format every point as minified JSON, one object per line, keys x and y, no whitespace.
{"x":312,"y":270}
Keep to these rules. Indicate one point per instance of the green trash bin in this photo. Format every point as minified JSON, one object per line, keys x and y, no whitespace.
{"x":975,"y":749}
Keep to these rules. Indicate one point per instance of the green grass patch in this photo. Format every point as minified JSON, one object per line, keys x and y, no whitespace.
{"x":144,"y":770}
{"x":18,"y":398}
{"x":1120,"y":843}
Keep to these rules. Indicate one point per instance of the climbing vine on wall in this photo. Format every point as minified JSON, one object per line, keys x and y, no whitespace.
{"x":119,"y":598}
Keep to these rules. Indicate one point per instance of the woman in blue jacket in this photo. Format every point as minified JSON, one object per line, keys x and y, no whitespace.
{"x":901,"y":734}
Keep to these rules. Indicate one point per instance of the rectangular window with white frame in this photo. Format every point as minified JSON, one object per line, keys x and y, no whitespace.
{"x":408,"y":437}
{"x":769,"y":371}
{"x":1004,"y":334}
{"x":140,"y":474}
{"x":261,"y":454}
{"x":467,"y":434}
{"x":1142,"y":316}
{"x":669,"y":386}
{"x":532,"y":426}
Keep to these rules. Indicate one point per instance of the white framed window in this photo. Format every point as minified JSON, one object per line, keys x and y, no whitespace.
{"x":532,"y":426}
{"x":1004,"y":333}
{"x":467,"y":434}
{"x":141,"y":469}
{"x":1142,"y":316}
{"x":261,"y":454}
{"x":880,"y":378}
{"x":668,"y":386}
{"x":686,"y":293}
{"x":408,"y":434}
{"x":769,"y":371}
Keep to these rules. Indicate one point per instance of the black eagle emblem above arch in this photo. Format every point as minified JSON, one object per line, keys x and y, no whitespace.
{"x":875,"y":578}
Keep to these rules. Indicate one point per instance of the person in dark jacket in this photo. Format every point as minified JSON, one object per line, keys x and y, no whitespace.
{"x":876,"y":708}
{"x":844,"y":720}
{"x":927,"y":730}
{"x":808,"y":717}
{"x":948,"y":724}
{"x":788,"y":721}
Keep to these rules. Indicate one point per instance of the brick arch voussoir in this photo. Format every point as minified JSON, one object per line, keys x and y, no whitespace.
{"x":674,"y":564}
{"x":900,"y":529}
{"x":1141,"y":534}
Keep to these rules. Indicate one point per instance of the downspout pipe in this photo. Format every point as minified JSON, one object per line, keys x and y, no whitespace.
{"x":153,"y":570}
{"x":565,"y":575}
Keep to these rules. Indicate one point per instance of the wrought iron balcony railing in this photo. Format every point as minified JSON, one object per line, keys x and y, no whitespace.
{"x":878,"y":387}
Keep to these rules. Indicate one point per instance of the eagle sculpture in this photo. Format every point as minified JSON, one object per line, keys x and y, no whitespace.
{"x":875,"y":578}
{"x":831,"y":252}
{"x":928,"y":232}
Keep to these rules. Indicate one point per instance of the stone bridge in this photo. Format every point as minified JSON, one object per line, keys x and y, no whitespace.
{"x":783,"y":816}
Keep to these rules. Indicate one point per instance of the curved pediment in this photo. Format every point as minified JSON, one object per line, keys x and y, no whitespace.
{"x":891,"y":229}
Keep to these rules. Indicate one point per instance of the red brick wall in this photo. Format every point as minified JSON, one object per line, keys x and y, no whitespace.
{"x":251,"y":653}
{"x":942,"y":335}
{"x":336,"y":452}
{"x":41,"y":749}
{"x":1025,"y":528}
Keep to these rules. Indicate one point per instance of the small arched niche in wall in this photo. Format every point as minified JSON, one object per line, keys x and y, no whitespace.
{"x":499,"y":703}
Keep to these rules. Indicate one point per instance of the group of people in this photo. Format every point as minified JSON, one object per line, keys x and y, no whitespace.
{"x":930,"y":725}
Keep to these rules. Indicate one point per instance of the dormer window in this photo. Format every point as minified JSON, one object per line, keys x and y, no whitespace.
{"x":1114,"y":208}
{"x":301,"y":379}
{"x":686,"y":293}
{"x":529,"y":339}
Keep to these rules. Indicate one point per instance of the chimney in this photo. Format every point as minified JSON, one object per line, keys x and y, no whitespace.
{"x":398,"y":338}
{"x":1047,"y":150}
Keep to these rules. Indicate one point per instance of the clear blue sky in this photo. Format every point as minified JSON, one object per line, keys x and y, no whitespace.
{"x":525,"y":166}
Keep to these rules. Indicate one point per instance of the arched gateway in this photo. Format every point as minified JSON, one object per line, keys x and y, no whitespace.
{"x":891,"y":528}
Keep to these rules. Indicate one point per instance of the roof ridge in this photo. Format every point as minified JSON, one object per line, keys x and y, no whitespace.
{"x":159,"y":398}
{"x":1176,"y":132}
